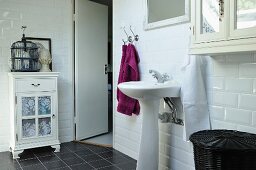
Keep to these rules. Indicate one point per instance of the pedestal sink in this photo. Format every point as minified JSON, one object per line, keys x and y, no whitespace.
{"x":149,"y":95}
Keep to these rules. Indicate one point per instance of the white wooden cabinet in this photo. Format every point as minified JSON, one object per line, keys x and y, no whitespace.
{"x":33,"y":111}
{"x":222,"y":26}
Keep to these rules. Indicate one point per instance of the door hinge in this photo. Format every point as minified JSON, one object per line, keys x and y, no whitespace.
{"x":74,"y":17}
{"x":192,"y":29}
{"x":75,"y":120}
{"x":17,"y":137}
{"x":15,"y":99}
{"x":107,"y":68}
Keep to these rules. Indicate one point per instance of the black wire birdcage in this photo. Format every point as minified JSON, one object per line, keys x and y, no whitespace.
{"x":24,"y":56}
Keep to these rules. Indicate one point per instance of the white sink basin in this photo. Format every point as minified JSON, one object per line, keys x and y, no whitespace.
{"x":149,"y":90}
{"x":149,"y":95}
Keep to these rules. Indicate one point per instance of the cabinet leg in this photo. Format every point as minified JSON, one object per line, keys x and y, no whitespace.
{"x":15,"y":154}
{"x":56,"y":147}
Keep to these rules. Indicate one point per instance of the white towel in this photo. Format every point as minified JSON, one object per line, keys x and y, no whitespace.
{"x":193,"y":97}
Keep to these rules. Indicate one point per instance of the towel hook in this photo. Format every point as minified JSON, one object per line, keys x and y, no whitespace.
{"x":129,"y":38}
{"x":124,"y":41}
{"x":136,"y":37}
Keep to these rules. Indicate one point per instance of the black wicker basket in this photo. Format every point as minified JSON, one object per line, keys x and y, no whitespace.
{"x":224,"y":150}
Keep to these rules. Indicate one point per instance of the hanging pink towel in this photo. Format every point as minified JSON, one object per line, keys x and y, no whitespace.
{"x":129,"y":71}
{"x":120,"y":78}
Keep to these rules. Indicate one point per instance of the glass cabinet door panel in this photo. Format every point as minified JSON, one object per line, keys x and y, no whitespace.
{"x":28,"y":106}
{"x":245,"y":14}
{"x":28,"y":128}
{"x":210,"y":19}
{"x":44,"y":126}
{"x":44,"y":105}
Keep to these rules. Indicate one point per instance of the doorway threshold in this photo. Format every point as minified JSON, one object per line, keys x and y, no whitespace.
{"x":105,"y":140}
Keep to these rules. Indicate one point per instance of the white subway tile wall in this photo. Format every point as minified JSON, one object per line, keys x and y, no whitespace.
{"x":231,"y":85}
{"x":49,"y":19}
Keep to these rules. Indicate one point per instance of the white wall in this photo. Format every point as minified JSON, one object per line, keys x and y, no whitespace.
{"x":49,"y":19}
{"x":231,"y":85}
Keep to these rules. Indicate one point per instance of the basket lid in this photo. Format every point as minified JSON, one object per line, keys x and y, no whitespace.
{"x":224,"y":140}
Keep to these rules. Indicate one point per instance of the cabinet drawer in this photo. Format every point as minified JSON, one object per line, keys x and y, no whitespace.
{"x":35,"y":85}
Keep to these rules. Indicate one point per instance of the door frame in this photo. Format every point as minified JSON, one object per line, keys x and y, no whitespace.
{"x":75,"y":76}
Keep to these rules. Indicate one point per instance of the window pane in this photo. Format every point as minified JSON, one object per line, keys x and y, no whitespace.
{"x":44,"y":105}
{"x":28,"y":106}
{"x":28,"y":128}
{"x":245,"y":14}
{"x":210,"y":16}
{"x":44,"y":126}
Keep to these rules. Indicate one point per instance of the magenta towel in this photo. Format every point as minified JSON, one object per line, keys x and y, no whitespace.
{"x":129,"y":71}
{"x":120,"y":78}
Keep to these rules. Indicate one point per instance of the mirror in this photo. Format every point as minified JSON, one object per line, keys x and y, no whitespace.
{"x":165,"y":12}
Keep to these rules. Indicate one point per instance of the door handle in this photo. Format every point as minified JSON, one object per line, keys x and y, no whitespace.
{"x":53,"y":116}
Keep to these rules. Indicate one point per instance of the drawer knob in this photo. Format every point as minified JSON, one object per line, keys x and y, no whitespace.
{"x":35,"y":85}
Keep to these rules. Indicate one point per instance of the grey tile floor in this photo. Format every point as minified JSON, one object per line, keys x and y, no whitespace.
{"x":75,"y":156}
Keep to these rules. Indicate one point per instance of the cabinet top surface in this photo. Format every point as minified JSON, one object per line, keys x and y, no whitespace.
{"x":33,"y":74}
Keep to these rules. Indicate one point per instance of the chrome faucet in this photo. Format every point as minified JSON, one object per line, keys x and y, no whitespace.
{"x":161,"y":78}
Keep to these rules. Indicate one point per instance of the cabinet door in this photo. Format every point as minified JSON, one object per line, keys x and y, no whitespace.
{"x":209,"y":20}
{"x":242,"y":18}
{"x":36,"y":117}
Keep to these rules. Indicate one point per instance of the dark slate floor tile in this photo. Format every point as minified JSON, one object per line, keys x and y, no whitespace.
{"x":71,"y":153}
{"x":35,"y":167}
{"x":110,"y":154}
{"x":97,"y":149}
{"x":63,"y":168}
{"x":90,"y":158}
{"x":84,"y":152}
{"x":29,"y":162}
{"x":131,"y":160}
{"x":117,"y":160}
{"x":127,"y":166}
{"x":54,"y":165}
{"x":100,"y":163}
{"x":73,"y":161}
{"x":74,"y":146}
{"x":51,"y":158}
{"x":64,"y":156}
{"x":83,"y":166}
{"x":120,"y":153}
{"x":64,"y":150}
{"x":110,"y":168}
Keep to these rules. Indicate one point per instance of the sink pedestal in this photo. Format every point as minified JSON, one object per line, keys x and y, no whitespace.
{"x":149,"y":95}
{"x":149,"y":145}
